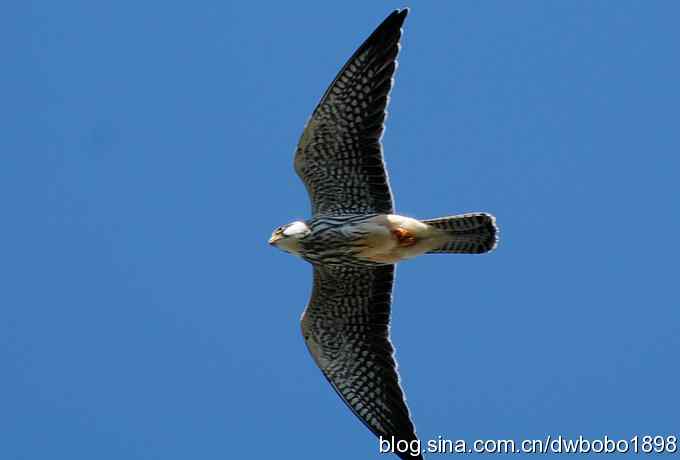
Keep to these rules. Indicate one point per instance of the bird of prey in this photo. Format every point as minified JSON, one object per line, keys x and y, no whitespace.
{"x":354,"y":238}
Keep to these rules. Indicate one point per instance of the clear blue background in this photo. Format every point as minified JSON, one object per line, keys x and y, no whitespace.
{"x":147,"y":155}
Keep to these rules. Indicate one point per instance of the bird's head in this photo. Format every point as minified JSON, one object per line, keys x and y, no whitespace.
{"x":287,"y":237}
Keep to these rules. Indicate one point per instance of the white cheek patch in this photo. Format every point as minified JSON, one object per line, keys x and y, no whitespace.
{"x":295,"y":228}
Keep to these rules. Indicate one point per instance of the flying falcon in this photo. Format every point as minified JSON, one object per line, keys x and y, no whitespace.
{"x":354,"y":238}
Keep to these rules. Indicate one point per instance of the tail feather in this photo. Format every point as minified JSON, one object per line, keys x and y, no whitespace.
{"x":468,"y":233}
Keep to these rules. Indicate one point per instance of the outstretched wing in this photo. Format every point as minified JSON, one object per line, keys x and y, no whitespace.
{"x":339,"y":156}
{"x":346,"y":328}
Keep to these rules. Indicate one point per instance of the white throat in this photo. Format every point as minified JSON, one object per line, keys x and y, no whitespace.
{"x":296,"y":229}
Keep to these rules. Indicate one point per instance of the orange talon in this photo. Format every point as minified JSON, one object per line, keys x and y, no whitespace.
{"x":404,"y":237}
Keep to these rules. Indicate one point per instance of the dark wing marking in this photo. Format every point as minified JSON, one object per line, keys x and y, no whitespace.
{"x":346,"y":329}
{"x":339,"y":156}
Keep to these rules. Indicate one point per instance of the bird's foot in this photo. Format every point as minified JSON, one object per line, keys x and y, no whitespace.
{"x":404,"y":237}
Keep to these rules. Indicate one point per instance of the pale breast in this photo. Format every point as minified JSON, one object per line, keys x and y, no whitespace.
{"x":392,"y":238}
{"x":376,"y":238}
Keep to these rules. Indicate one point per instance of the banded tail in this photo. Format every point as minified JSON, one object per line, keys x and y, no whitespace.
{"x":468,"y":233}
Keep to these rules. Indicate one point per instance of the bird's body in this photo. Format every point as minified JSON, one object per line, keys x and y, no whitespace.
{"x":369,"y":239}
{"x":354,"y":237}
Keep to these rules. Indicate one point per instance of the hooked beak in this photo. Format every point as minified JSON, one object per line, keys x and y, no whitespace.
{"x":274,"y":239}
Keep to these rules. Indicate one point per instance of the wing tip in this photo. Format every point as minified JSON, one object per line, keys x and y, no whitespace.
{"x":396,"y":18}
{"x":402,"y":13}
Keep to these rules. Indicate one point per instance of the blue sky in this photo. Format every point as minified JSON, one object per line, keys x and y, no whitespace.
{"x":147,"y":156}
